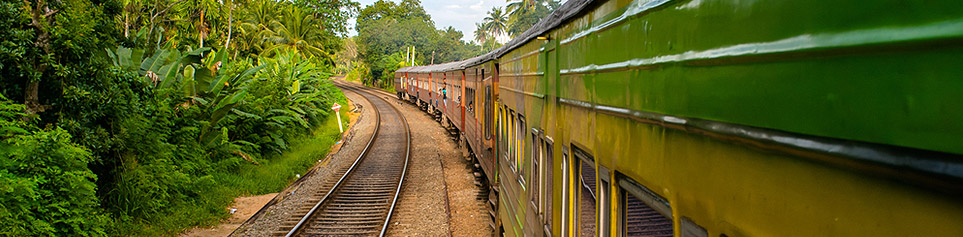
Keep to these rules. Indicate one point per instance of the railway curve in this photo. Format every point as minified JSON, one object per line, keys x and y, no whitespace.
{"x":362,"y":201}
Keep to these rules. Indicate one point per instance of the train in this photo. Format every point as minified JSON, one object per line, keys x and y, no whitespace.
{"x":715,"y":118}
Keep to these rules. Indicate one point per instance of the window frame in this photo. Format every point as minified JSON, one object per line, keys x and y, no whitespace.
{"x":547,"y":197}
{"x":488,"y":112}
{"x":566,"y":193}
{"x":520,"y":149}
{"x":627,"y":186}
{"x":511,"y":142}
{"x":536,"y":179}
{"x":580,"y":156}
{"x":604,"y":200}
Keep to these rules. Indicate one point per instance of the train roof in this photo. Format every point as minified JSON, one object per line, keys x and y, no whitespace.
{"x":444,"y":67}
{"x":565,"y":12}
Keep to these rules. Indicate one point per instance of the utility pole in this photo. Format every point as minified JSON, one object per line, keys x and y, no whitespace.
{"x":432,"y":57}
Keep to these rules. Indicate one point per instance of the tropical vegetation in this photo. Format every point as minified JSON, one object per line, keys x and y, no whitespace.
{"x":135,"y":117}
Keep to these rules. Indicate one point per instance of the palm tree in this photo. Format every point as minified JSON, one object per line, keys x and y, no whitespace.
{"x":523,"y":14}
{"x":496,"y":22}
{"x":481,"y":34}
{"x":296,"y":30}
{"x":255,"y":28}
{"x":517,"y":7}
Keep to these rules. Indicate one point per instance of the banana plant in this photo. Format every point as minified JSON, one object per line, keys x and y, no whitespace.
{"x":221,"y":100}
{"x":126,"y":58}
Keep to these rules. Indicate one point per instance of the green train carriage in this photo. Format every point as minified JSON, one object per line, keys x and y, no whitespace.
{"x":730,"y":118}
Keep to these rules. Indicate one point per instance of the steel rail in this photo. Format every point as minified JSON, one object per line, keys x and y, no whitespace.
{"x":301,"y":223}
{"x":404,"y":171}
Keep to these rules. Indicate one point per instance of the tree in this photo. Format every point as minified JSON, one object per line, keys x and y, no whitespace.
{"x":254,"y":28}
{"x":523,"y":14}
{"x":46,"y":43}
{"x":334,"y":12}
{"x":297,"y":30}
{"x":133,"y":113}
{"x":496,"y":22}
{"x":382,"y":9}
{"x":481,"y":33}
{"x":386,"y":28}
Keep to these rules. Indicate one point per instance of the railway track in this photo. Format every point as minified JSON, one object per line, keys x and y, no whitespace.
{"x":362,"y":200}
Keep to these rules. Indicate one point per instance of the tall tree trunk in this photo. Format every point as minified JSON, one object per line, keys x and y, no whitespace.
{"x":39,"y":13}
{"x":126,"y":24}
{"x":230,"y":20}
{"x":31,"y":99}
{"x":202,"y":31}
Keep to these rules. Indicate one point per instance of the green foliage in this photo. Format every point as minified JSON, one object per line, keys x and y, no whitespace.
{"x":296,"y":30}
{"x":523,"y":14}
{"x":45,"y":185}
{"x":149,"y":106}
{"x":265,"y":26}
{"x":391,"y":64}
{"x":359,"y":72}
{"x":496,"y":22}
{"x":276,"y":173}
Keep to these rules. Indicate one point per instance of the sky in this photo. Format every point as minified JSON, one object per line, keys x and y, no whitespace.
{"x":461,"y":14}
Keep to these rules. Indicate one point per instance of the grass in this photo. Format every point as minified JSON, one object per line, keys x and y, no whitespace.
{"x":272,"y":175}
{"x":275,"y":174}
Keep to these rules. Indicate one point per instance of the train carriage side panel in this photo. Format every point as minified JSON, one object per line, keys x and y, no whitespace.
{"x":453,"y":105}
{"x":462,"y":83}
{"x":521,"y":96}
{"x":474,"y":116}
{"x":398,"y":82}
{"x":416,"y":89}
{"x":411,"y":88}
{"x":459,"y":99}
{"x":792,"y":70}
{"x":438,"y":78}
{"x":487,"y":94}
{"x":423,"y":92}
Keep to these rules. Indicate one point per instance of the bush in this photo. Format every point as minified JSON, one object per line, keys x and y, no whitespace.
{"x":45,"y":185}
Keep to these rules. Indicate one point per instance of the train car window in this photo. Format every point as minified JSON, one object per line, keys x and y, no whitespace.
{"x":470,"y":101}
{"x":604,"y":201}
{"x":585,"y":197}
{"x":536,"y":171}
{"x":642,"y":212}
{"x":511,"y":141}
{"x":488,"y":112}
{"x":566,"y":193}
{"x":545,"y":200}
{"x":504,"y":145}
{"x":507,"y":129}
{"x":520,"y":147}
{"x":502,"y":124}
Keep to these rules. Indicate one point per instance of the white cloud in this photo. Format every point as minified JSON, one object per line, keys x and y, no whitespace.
{"x":477,"y":6}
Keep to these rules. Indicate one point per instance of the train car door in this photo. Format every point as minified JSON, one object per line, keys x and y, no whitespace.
{"x":441,"y":96}
{"x":489,"y":83}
